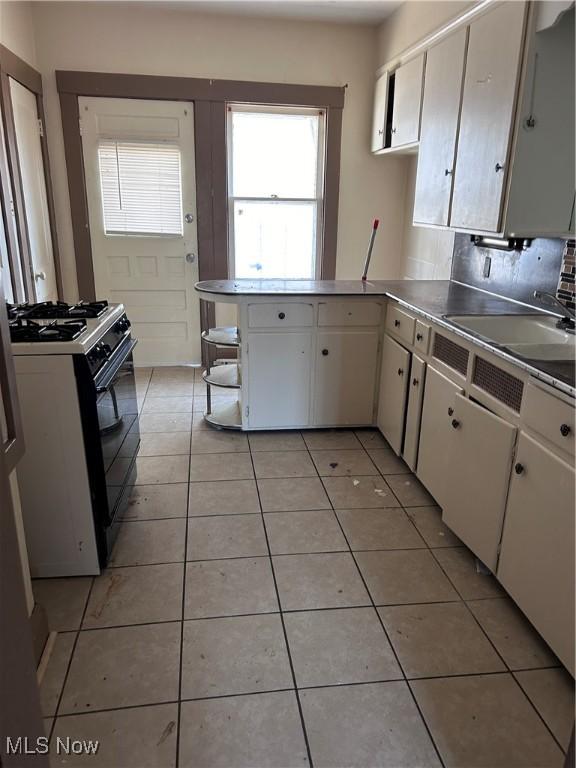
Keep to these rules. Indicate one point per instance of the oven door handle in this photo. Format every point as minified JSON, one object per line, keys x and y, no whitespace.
{"x":106,"y":376}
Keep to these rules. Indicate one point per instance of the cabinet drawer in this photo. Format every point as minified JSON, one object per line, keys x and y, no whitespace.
{"x":400,"y":323}
{"x":550,"y":416}
{"x":280,"y":315}
{"x":347,"y":313}
{"x":422,"y":337}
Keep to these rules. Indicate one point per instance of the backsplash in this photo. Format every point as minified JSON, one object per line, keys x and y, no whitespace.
{"x":515,"y":274}
{"x":565,"y":290}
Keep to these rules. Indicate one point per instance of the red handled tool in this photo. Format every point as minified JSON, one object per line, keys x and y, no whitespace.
{"x":370,"y":246}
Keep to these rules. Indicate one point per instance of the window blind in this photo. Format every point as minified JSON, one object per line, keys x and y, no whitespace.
{"x":141,"y":188}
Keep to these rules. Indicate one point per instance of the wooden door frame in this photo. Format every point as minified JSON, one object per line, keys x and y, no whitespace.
{"x":12,"y":66}
{"x":210,"y":98}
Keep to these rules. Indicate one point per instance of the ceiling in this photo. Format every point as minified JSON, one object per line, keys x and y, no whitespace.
{"x":345,"y":11}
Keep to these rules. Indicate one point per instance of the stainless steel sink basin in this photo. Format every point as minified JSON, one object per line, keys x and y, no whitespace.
{"x":534,"y":337}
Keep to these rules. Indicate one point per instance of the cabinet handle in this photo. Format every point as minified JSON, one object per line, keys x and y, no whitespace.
{"x":565,"y":430}
{"x":450,"y":411}
{"x":419,"y":337}
{"x":519,"y":468}
{"x":281,"y":315}
{"x":498,"y":167}
{"x":448,"y":172}
{"x":396,"y":323}
{"x":393,"y":130}
{"x":324,"y":352}
{"x":400,"y":372}
{"x":415,"y":382}
{"x":380,"y":131}
{"x":455,"y":423}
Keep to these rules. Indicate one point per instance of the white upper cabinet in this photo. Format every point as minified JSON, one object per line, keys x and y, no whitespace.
{"x":488,"y":107}
{"x":439,"y":130}
{"x":408,"y":80}
{"x":379,"y":114}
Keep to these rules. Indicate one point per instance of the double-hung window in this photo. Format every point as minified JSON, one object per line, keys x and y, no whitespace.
{"x":275,"y":191}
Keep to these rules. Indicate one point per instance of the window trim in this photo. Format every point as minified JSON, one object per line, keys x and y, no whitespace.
{"x":318,"y":200}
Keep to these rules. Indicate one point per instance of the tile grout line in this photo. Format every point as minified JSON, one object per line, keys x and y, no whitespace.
{"x":400,"y":667}
{"x":287,"y":644}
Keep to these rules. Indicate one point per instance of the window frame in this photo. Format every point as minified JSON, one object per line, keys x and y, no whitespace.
{"x":318,"y":200}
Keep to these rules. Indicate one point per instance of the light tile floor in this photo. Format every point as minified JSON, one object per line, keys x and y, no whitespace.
{"x":285,"y":599}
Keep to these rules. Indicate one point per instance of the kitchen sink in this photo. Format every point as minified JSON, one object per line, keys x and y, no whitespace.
{"x":534,"y":337}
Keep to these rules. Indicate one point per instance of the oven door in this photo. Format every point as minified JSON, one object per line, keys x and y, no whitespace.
{"x":119,"y":433}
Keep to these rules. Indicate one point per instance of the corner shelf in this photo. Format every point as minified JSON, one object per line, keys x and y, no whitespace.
{"x":226,"y":375}
{"x":222,"y":337}
{"x":226,"y":416}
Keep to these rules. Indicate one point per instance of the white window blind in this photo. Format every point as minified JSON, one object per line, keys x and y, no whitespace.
{"x":141,"y":188}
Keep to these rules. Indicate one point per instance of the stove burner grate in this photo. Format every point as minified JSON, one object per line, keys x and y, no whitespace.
{"x":48,"y":310}
{"x":24,"y":330}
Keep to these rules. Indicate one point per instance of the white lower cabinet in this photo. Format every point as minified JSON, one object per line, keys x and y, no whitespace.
{"x":536,"y":563}
{"x":480,"y":449}
{"x":393,"y":390}
{"x":433,"y":467}
{"x":345,"y":377}
{"x":414,"y":411}
{"x":279,"y":377}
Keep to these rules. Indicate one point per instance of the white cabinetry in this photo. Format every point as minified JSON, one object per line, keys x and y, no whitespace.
{"x":279,"y":378}
{"x":393,"y":390}
{"x":537,"y":555}
{"x":439,"y":130}
{"x":414,"y":411}
{"x":345,"y":373}
{"x":408,"y":81}
{"x":433,"y":461}
{"x":379,"y":115}
{"x":479,"y":452}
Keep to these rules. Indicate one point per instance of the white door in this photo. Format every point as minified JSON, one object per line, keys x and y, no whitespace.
{"x":345,"y":384}
{"x":488,"y":102}
{"x":480,"y":456}
{"x":537,"y":556}
{"x":414,"y":411}
{"x":440,"y":112}
{"x":140,"y":183}
{"x":393,"y":388}
{"x":31,"y":164}
{"x":407,"y":102}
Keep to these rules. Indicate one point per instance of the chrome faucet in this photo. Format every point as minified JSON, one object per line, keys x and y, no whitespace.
{"x":568,"y":319}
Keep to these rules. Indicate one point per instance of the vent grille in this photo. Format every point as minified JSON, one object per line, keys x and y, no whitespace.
{"x":501,"y":385}
{"x":453,"y":355}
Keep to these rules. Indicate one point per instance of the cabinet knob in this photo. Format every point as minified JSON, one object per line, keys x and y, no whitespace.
{"x":448,"y":172}
{"x":450,"y":411}
{"x":455,"y":423}
{"x":565,"y":430}
{"x":281,"y":315}
{"x":393,"y":130}
{"x":400,"y":371}
{"x":396,"y":323}
{"x":498,"y":167}
{"x":415,"y":382}
{"x":324,"y":352}
{"x":518,"y":468}
{"x":419,"y":337}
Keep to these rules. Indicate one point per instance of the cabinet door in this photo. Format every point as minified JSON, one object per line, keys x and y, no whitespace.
{"x":407,"y":102}
{"x":440,"y":114}
{"x":414,"y":411}
{"x":379,"y":113}
{"x":393,"y":389}
{"x":536,"y":563}
{"x":279,"y":368}
{"x":345,"y":378}
{"x":433,"y":467}
{"x":488,"y":105}
{"x":480,"y":456}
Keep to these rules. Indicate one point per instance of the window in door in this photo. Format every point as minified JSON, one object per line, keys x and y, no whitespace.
{"x":276,"y":186}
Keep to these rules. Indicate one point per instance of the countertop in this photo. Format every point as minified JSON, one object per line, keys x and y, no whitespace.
{"x":435,"y":299}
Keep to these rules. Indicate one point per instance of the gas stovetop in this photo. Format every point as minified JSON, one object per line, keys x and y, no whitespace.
{"x":48,"y":310}
{"x":24,"y":330}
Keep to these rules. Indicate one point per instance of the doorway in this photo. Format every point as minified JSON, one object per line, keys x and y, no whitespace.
{"x":141,"y":192}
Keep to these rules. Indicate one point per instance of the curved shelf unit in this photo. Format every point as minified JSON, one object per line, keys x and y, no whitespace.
{"x":226,"y":416}
{"x":227,"y":375}
{"x":222,"y":337}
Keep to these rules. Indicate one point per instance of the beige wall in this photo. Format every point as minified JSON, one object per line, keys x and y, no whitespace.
{"x":111,"y":37}
{"x":17,"y":29}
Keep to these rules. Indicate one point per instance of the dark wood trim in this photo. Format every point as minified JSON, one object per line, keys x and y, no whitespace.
{"x":196,"y":89}
{"x":20,"y":70}
{"x":331,"y":192}
{"x":78,"y":200}
{"x":17,"y":191}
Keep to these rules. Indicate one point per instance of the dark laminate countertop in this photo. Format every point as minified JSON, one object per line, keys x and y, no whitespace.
{"x":437,"y":299}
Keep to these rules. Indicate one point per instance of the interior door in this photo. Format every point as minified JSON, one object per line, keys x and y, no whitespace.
{"x":440,"y":113}
{"x":27,"y":128}
{"x":144,"y":243}
{"x":394,"y":377}
{"x":488,"y":103}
